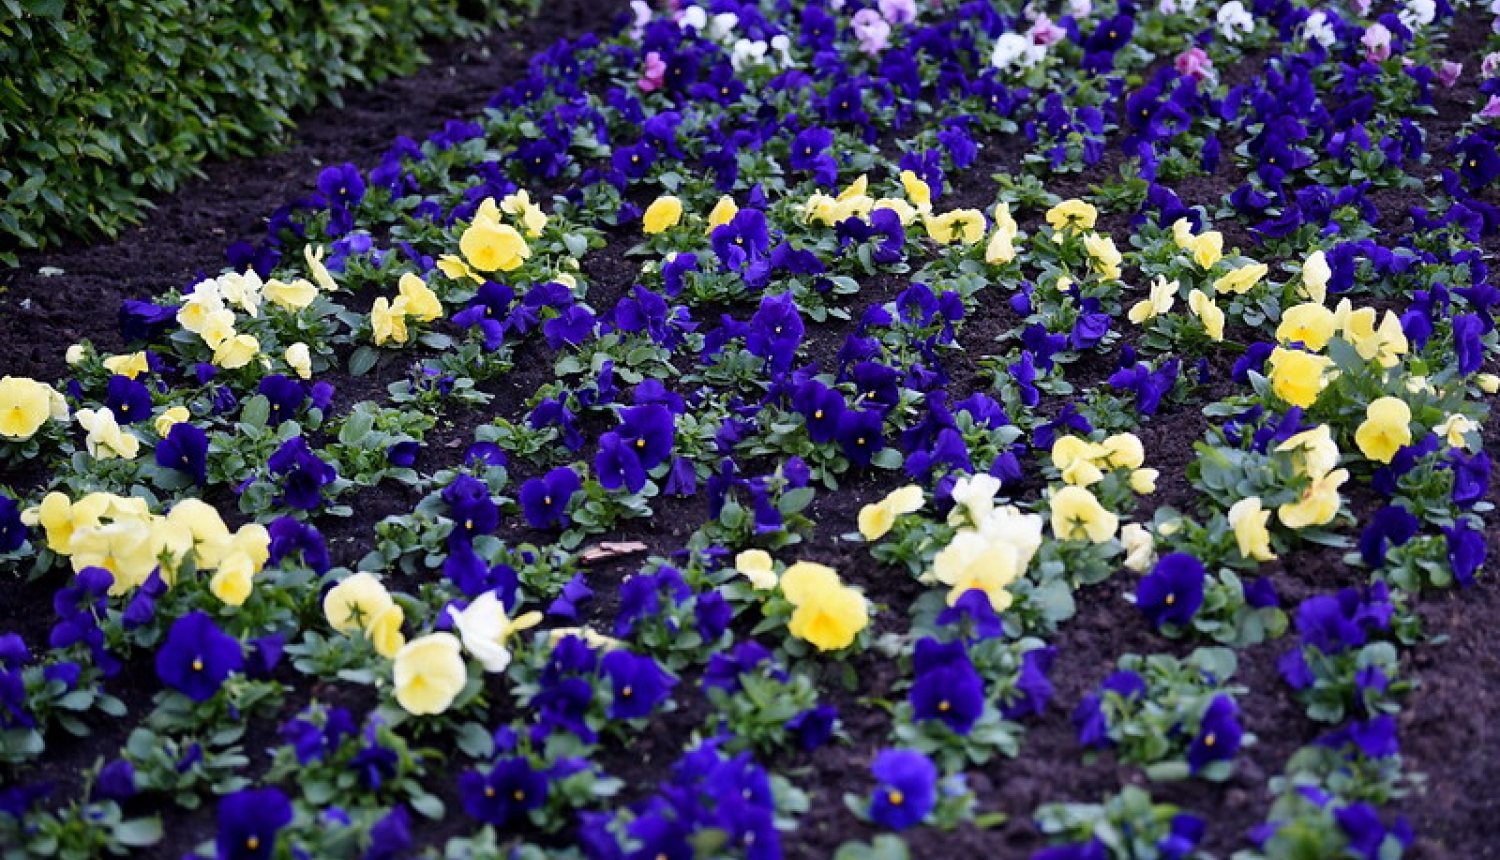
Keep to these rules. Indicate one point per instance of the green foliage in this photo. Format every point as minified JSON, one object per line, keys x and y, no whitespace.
{"x":105,"y":104}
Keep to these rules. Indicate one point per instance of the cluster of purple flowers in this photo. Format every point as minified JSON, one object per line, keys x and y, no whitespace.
{"x":708,"y":791}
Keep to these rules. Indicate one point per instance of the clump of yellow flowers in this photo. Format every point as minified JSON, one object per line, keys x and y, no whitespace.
{"x":122,"y":536}
{"x":992,"y":548}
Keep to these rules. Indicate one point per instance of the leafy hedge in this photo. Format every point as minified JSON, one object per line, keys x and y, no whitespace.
{"x":102,"y":104}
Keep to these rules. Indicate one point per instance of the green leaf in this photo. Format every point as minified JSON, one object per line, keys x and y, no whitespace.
{"x":794,"y":501}
{"x":356,"y":427}
{"x":257,"y":411}
{"x":427,"y":805}
{"x":577,"y":245}
{"x":1168,"y":771}
{"x":475,"y":741}
{"x":139,"y":832}
{"x":362,"y":360}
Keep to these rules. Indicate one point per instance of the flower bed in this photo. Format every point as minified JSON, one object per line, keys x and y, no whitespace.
{"x":791,"y":431}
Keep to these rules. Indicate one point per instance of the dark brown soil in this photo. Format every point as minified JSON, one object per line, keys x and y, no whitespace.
{"x":1448,"y":728}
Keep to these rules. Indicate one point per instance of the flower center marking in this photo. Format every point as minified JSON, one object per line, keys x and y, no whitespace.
{"x":896,"y":798}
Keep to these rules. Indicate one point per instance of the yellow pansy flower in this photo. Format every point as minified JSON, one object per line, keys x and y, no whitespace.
{"x":351,"y":605}
{"x":1004,"y":220}
{"x":532,"y":217}
{"x":1249,"y":522}
{"x":917,"y":190}
{"x":960,"y":225}
{"x":830,"y":617}
{"x":234,"y":580}
{"x":905,"y":211}
{"x":132,"y":364}
{"x":1239,"y":281}
{"x":218,"y":326}
{"x":1182,"y":234}
{"x":170,"y":416}
{"x":1077,"y":515}
{"x":384,"y":631}
{"x":975,"y":561}
{"x":1163,"y":297}
{"x":663,"y":213}
{"x":388,"y":320}
{"x":429,"y":673}
{"x":876,"y":519}
{"x":299,"y":359}
{"x":1123,"y":451}
{"x":1309,"y":323}
{"x":1317,"y":505}
{"x":1001,"y":248}
{"x":123,"y":547}
{"x":1298,"y":377}
{"x":1106,"y":256}
{"x":1208,"y":249}
{"x":1140,"y":547}
{"x":722,"y":213}
{"x":106,"y":440}
{"x":243,"y":290}
{"x":237,"y":351}
{"x":1386,"y":429}
{"x":1315,"y":276}
{"x":25,"y":405}
{"x":1385,"y":344}
{"x":1074,"y":459}
{"x":490,"y":246}
{"x":1211,"y":314}
{"x":1143,"y":481}
{"x":314,"y":259}
{"x":1315,"y":452}
{"x":1072,"y":215}
{"x":756,"y":566}
{"x":60,"y":517}
{"x":421,"y":302}
{"x":805,"y":577}
{"x":1454,"y":429}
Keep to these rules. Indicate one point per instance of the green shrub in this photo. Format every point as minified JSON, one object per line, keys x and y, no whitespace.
{"x":105,"y":103}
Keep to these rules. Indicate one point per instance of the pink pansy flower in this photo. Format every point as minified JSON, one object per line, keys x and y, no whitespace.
{"x":1377,"y":42}
{"x":1044,"y":32}
{"x":1448,"y":73}
{"x":871,"y":30}
{"x":643,"y":15}
{"x":1194,"y":63}
{"x":1492,"y":109}
{"x":899,"y":11}
{"x":654,"y":74}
